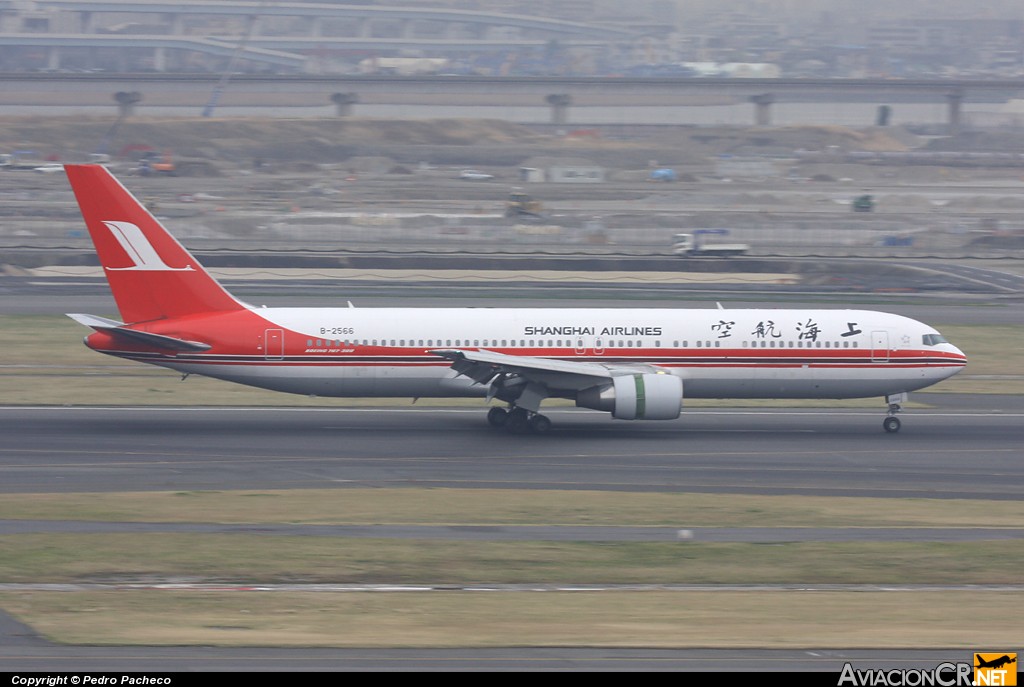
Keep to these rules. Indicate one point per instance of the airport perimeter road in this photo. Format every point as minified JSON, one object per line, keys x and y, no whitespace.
{"x":964,"y":450}
{"x":26,"y":652}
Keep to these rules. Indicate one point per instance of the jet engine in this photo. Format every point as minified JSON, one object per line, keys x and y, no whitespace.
{"x":636,"y":397}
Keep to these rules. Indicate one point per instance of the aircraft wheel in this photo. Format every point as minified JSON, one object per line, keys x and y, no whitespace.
{"x":517,"y":421}
{"x":891,"y":424}
{"x":497,"y":417}
{"x":540,"y":424}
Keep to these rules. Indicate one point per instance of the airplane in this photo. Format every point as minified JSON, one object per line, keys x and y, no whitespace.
{"x":636,"y":364}
{"x":995,"y":663}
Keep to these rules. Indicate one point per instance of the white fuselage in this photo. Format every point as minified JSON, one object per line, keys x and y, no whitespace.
{"x":750,"y":353}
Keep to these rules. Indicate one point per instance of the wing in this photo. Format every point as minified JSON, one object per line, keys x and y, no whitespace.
{"x":555,"y":376}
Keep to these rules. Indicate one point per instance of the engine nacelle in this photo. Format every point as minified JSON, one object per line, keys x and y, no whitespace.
{"x":636,"y":397}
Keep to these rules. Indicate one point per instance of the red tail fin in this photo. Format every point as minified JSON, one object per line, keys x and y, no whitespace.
{"x":151,"y":275}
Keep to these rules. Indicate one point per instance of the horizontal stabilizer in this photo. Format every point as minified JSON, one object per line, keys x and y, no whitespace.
{"x":117,"y":329}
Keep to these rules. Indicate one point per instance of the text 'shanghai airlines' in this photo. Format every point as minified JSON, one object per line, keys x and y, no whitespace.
{"x":637,"y":364}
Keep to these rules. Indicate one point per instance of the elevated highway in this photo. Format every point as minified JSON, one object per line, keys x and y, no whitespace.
{"x":469,"y":91}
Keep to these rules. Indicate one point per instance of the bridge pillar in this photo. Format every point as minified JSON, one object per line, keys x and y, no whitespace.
{"x":559,"y":103}
{"x":955,"y":100}
{"x":53,"y":58}
{"x":883,"y":115}
{"x":126,"y":102}
{"x":160,"y":59}
{"x":344,"y":102}
{"x":176,"y":22}
{"x":85,"y":21}
{"x":763,"y":108}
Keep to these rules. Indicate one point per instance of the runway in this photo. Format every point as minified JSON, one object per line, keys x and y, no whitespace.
{"x":952,"y":452}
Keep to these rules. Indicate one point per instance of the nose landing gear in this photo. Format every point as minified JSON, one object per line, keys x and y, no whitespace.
{"x":891,"y":423}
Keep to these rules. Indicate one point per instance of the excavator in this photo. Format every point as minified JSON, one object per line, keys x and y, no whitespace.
{"x":521,"y":204}
{"x":153,"y":163}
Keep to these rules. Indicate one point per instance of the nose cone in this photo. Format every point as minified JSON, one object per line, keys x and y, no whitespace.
{"x":956,"y":358}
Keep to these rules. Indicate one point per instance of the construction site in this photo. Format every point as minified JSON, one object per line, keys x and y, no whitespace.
{"x":363,"y":184}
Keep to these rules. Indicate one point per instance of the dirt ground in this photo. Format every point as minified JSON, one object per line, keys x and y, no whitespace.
{"x":360,"y":181}
{"x":446,"y":141}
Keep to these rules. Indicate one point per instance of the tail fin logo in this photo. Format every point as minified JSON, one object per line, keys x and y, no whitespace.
{"x":139,"y":249}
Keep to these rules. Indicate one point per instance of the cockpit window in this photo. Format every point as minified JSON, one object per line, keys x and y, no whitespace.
{"x":933,"y":339}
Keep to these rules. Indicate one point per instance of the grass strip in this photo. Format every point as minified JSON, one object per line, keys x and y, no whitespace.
{"x":725,"y":619}
{"x":278,"y":559}
{"x":444,"y":506}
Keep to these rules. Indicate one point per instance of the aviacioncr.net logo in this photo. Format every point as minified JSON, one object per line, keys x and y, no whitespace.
{"x":942,"y":675}
{"x":995,"y":670}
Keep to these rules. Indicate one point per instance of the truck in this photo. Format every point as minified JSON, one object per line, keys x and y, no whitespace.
{"x":692,"y":245}
{"x":20,"y":160}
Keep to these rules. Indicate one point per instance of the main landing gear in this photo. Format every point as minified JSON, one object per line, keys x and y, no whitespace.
{"x":891,"y":423}
{"x":518,"y":420}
